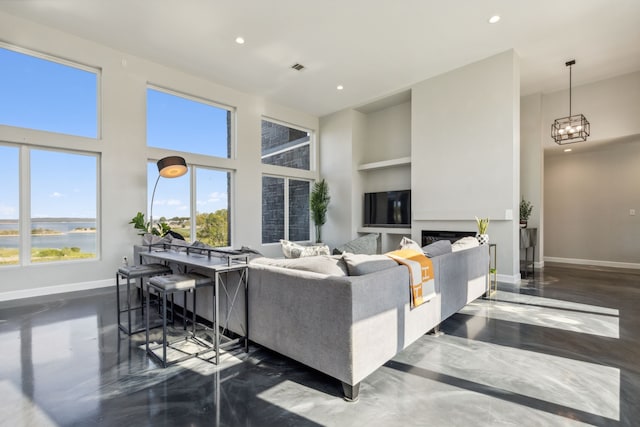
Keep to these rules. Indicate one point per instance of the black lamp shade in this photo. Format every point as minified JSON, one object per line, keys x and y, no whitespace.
{"x":172,"y":167}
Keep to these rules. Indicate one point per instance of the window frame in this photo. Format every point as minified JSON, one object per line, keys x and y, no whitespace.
{"x":24,"y":204}
{"x":68,"y":63}
{"x":313,"y":166}
{"x":194,"y":98}
{"x":287,"y":206}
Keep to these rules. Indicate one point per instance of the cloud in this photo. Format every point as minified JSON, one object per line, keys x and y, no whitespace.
{"x":9,"y":212}
{"x":217,"y":197}
{"x":56,"y":195}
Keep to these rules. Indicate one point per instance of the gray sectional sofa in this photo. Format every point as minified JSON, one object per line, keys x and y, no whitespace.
{"x":347,"y":326}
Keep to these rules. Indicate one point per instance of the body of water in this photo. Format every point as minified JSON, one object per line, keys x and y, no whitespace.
{"x":85,"y":241}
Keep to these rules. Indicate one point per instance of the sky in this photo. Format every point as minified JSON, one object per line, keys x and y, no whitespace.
{"x":49,"y":96}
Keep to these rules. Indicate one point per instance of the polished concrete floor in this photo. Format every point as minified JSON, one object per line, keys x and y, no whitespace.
{"x":560,"y":350}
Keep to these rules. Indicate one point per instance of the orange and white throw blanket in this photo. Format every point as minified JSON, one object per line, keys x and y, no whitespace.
{"x":421,"y":277}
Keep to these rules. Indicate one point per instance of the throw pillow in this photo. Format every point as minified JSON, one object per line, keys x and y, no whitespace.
{"x":295,"y":250}
{"x":439,"y":247}
{"x":323,"y":264}
{"x":367,"y":244}
{"x":361,"y":264}
{"x":464,"y":243}
{"x":407,"y":243}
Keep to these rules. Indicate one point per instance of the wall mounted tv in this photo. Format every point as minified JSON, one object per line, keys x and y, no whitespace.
{"x":387,"y":209}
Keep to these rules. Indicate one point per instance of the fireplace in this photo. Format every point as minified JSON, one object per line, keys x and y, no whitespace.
{"x":430,"y":236}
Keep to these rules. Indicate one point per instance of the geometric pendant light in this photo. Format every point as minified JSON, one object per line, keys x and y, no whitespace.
{"x":570,"y":129}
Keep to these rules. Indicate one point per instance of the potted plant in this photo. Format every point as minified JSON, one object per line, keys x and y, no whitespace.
{"x":318,"y":204}
{"x":483,"y":224}
{"x":146,"y":229}
{"x":525,"y":212}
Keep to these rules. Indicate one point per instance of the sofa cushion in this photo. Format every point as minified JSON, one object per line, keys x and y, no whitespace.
{"x":367,"y":244}
{"x":323,"y":264}
{"x":437,"y":248}
{"x":407,"y":243}
{"x":464,"y":243}
{"x":361,"y":264}
{"x":295,"y":250}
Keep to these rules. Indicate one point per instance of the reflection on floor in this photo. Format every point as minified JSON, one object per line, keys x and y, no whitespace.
{"x":558,"y":350}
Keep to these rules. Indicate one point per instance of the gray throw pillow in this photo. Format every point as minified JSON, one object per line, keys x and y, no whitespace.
{"x":361,"y":264}
{"x":367,"y":244}
{"x":439,"y":247}
{"x":295,"y":250}
{"x":323,"y":264}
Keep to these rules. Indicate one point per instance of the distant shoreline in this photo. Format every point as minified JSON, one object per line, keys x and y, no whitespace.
{"x":15,"y":221}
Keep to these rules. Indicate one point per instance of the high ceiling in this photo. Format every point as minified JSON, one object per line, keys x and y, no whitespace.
{"x":371,"y":47}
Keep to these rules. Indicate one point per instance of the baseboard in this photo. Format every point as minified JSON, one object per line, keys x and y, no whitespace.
{"x":59,"y":289}
{"x":614,"y":264}
{"x":505,"y":278}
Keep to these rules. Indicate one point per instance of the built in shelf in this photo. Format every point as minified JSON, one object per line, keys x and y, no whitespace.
{"x":402,"y":161}
{"x":385,"y":230}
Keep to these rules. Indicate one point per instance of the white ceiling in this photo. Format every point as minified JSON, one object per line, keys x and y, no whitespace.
{"x":371,"y":47}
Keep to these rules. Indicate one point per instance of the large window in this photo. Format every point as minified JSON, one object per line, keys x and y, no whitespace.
{"x":187,"y":124}
{"x":285,"y":209}
{"x":285,"y":146}
{"x":194,"y":204}
{"x":62,"y":194}
{"x":285,"y":199}
{"x":48,"y":95}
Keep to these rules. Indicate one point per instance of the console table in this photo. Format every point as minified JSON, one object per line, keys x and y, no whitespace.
{"x":528,"y":240}
{"x":213,"y":262}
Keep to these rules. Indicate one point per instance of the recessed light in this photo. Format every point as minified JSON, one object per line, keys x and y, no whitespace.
{"x":240,"y":40}
{"x":494,"y":19}
{"x":339,"y":87}
{"x":566,"y":150}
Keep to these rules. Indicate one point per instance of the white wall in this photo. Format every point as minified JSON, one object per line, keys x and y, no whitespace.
{"x":124,"y":153}
{"x":588,"y":195}
{"x":465,"y":153}
{"x":613,"y":107}
{"x":532,"y":166}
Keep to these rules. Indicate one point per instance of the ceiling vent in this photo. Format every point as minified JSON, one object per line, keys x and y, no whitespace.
{"x":298,"y":67}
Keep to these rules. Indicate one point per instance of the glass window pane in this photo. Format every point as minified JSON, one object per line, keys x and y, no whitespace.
{"x":172,"y":201}
{"x":182,"y":124}
{"x":285,"y":146}
{"x":9,"y":203}
{"x":299,"y":210}
{"x":46,"y":95}
{"x":272,"y":209}
{"x":212,"y":203}
{"x":63,"y":206}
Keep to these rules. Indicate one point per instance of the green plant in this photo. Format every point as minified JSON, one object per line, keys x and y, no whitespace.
{"x":483,"y":224}
{"x":525,"y":209}
{"x":143,"y":227}
{"x":318,"y":205}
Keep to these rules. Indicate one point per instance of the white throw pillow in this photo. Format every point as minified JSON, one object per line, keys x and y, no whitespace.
{"x":294,"y":250}
{"x":407,"y":243}
{"x":464,"y":243}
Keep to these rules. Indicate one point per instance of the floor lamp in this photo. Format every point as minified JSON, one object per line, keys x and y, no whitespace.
{"x":168,"y":167}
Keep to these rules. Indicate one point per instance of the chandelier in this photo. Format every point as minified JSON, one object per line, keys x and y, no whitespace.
{"x":572,"y":128}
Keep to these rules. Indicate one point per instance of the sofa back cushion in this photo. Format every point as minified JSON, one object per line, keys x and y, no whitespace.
{"x":361,"y":264}
{"x":323,"y":264}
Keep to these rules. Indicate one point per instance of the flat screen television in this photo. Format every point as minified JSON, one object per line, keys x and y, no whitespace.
{"x":387,"y":209}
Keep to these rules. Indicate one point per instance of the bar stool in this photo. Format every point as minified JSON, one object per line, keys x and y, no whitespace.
{"x":134,"y":272}
{"x":166,"y":286}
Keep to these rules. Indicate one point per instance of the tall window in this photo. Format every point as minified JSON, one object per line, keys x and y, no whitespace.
{"x":63,"y":201}
{"x":285,"y":199}
{"x":206,"y":217}
{"x":48,"y":95}
{"x":187,"y":124}
{"x":53,"y":218}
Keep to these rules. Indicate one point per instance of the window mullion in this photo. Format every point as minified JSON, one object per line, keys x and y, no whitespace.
{"x":286,"y":208}
{"x":24,"y":214}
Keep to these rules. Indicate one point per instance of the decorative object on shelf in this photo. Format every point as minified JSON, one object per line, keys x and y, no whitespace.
{"x":525,"y":212}
{"x":483,"y":224}
{"x":573,"y":128}
{"x":168,"y":167}
{"x":318,"y":204}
